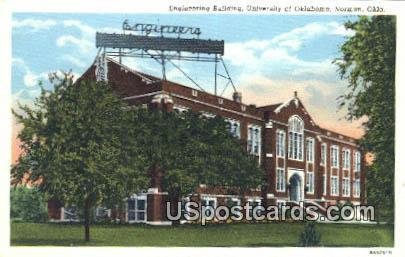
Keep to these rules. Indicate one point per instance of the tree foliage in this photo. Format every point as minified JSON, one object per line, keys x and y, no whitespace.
{"x":88,"y":148}
{"x":368,"y":64}
{"x":194,"y":150}
{"x":27,"y":204}
{"x":310,"y":236}
{"x":74,"y":139}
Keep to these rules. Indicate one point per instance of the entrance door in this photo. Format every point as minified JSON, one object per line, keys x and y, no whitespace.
{"x":295,"y":188}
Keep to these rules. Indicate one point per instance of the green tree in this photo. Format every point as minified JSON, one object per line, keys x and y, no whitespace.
{"x":27,"y":204}
{"x":310,"y":236}
{"x":90,"y":149}
{"x":191,"y":150}
{"x":368,"y":65}
{"x":74,"y":138}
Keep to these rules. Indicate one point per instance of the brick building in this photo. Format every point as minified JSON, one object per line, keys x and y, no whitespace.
{"x":302,"y":161}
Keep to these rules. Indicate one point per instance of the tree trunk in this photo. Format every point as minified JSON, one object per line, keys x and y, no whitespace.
{"x":87,"y":231}
{"x":87,"y":222}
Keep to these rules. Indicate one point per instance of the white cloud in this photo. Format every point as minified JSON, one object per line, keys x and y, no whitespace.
{"x":34,"y":24}
{"x":296,"y":37}
{"x":87,"y":35}
{"x":83,"y":44}
{"x":19,"y":62}
{"x":30,"y":78}
{"x":85,"y":29}
{"x":74,"y":60}
{"x":280,"y":53}
{"x":271,"y":70}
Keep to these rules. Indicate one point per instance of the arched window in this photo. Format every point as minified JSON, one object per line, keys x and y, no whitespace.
{"x":295,"y":138}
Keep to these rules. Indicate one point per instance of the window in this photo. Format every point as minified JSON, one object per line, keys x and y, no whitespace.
{"x":180,"y":109}
{"x":323,"y":154}
{"x":233,"y":201}
{"x":280,"y":180}
{"x":334,"y":185}
{"x":254,"y":140}
{"x":234,"y":127}
{"x":356,"y":188}
{"x":136,"y":208}
{"x":69,"y":213}
{"x":280,"y":143}
{"x":310,"y":150}
{"x":346,"y":187}
{"x":310,"y":182}
{"x":102,"y":212}
{"x":185,"y":209}
{"x":207,"y":115}
{"x":194,"y":92}
{"x":295,"y":138}
{"x":357,"y":161}
{"x":334,"y":156}
{"x":346,"y":159}
{"x":324,"y":184}
{"x":220,"y":101}
{"x":254,"y":203}
{"x":141,"y":209}
{"x":211,"y":202}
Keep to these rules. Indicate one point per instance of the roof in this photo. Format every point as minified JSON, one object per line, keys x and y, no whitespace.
{"x":269,"y":108}
{"x":146,"y":77}
{"x":129,"y":82}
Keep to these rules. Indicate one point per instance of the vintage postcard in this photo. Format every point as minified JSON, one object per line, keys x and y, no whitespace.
{"x":202,"y":127}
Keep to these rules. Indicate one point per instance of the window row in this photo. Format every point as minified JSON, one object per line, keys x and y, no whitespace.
{"x":230,"y":201}
{"x":280,"y":181}
{"x":295,"y":151}
{"x":345,"y":158}
{"x":310,"y":183}
{"x":234,"y":126}
{"x":334,"y":186}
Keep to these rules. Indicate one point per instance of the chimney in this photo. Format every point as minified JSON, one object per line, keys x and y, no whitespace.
{"x":237,"y":97}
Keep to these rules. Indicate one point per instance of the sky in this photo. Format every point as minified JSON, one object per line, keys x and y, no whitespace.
{"x":268,"y":57}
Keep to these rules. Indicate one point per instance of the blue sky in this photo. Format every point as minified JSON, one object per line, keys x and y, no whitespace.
{"x":268,"y":57}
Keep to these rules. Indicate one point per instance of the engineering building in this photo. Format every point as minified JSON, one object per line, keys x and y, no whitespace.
{"x":302,"y":161}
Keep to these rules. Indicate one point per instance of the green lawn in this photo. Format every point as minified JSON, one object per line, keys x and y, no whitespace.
{"x":246,"y":235}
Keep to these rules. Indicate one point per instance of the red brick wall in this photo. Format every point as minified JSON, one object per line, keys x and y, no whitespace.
{"x":127,"y":84}
{"x":310,"y":130}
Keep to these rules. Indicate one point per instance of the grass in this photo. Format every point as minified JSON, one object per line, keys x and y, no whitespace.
{"x":243,"y":235}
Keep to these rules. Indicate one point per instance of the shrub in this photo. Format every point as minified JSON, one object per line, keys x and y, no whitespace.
{"x":310,"y":236}
{"x":27,"y":204}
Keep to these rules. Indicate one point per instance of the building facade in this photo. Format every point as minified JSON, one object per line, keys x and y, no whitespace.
{"x":301,"y":160}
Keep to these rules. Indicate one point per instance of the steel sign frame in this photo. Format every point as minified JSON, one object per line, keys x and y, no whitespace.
{"x":149,"y":41}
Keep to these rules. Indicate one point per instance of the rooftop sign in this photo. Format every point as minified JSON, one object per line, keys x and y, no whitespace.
{"x":147,"y":29}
